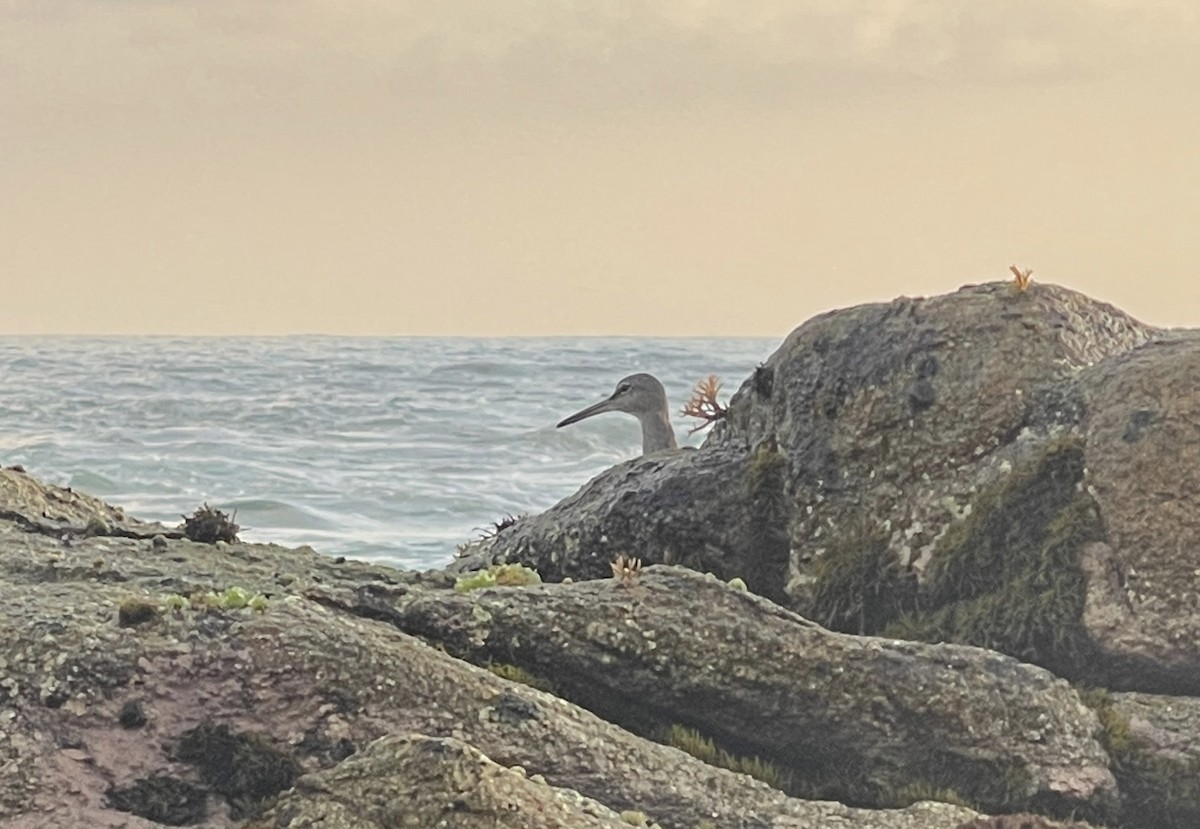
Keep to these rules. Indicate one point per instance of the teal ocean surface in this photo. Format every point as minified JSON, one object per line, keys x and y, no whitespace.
{"x":391,"y":449}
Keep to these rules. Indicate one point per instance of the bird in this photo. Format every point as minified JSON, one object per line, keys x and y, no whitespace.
{"x":642,"y":396}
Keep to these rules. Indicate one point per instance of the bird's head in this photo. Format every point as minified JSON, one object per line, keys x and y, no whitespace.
{"x":640,"y":395}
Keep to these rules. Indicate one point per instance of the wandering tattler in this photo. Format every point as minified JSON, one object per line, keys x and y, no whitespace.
{"x":642,"y":396}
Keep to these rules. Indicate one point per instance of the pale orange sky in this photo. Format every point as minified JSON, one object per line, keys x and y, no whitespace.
{"x":550,"y":167}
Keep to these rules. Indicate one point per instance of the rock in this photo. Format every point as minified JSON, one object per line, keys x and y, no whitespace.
{"x":853,"y":718}
{"x":132,"y":714}
{"x":1009,"y":470}
{"x":689,"y":507}
{"x":1014,"y":470}
{"x":838,"y":436}
{"x":1143,"y":470}
{"x":409,"y":780}
{"x":61,"y":512}
{"x":305,"y":679}
{"x":1025,"y":821}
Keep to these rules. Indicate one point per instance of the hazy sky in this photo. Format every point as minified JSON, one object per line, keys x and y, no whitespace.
{"x":559,"y":167}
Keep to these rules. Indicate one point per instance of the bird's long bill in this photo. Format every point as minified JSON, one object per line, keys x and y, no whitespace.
{"x":594,"y":409}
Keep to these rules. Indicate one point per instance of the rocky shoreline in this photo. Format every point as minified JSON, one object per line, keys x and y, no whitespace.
{"x":966,"y":527}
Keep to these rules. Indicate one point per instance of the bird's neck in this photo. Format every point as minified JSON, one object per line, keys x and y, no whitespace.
{"x":657,"y":433}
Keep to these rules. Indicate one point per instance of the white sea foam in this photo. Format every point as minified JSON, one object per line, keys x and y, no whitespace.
{"x":392,"y":449}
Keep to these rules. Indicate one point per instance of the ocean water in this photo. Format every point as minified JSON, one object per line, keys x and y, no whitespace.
{"x":387,"y":449}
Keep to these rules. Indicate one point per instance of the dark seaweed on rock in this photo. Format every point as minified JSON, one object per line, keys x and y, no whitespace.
{"x":162,"y":799}
{"x":208,"y":525}
{"x":243,"y":767}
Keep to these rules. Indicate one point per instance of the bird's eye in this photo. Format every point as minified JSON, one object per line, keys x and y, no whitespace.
{"x":623,"y":388}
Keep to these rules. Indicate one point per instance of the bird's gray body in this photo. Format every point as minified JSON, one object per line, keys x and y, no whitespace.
{"x":642,"y":396}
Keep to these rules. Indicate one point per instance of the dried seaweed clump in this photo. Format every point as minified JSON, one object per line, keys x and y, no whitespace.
{"x":496,"y":527}
{"x":1021,"y":278}
{"x":209,"y":525}
{"x":626,"y":570}
{"x":703,"y":404}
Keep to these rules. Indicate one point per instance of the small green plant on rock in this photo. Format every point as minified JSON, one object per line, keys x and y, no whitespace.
{"x":703,"y":748}
{"x":516,"y":673}
{"x":232,"y":598}
{"x":859,"y":584}
{"x":916,"y":792}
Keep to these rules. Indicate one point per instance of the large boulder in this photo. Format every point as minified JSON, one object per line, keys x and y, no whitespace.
{"x":1010,"y":469}
{"x":895,"y":412}
{"x":62,"y":512}
{"x":1143,"y":470}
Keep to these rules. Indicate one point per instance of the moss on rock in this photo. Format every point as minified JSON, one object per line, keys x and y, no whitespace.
{"x":516,"y":673}
{"x":703,"y":748}
{"x":1008,"y":577}
{"x":769,"y":547}
{"x":859,"y":585}
{"x":1157,"y":791}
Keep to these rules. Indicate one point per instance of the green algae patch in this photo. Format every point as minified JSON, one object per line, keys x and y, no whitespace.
{"x":498,"y":575}
{"x":1008,"y":577}
{"x":237,"y":598}
{"x":232,"y":598}
{"x":1157,"y":791}
{"x":247,"y":770}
